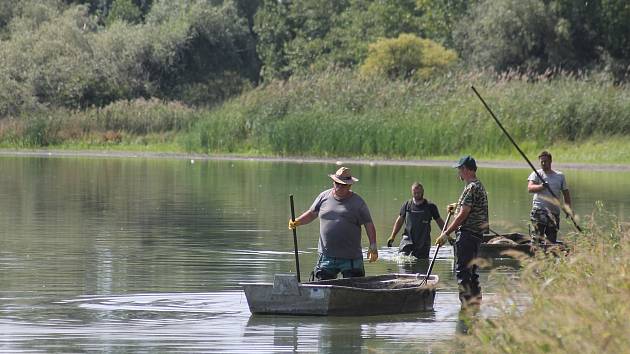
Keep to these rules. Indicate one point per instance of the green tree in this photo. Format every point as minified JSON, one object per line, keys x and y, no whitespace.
{"x":124,"y":10}
{"x":440,"y":17}
{"x":615,"y":29}
{"x":299,"y":36}
{"x":407,"y":57}
{"x":508,"y":34}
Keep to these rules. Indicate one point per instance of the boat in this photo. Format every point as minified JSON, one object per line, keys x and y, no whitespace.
{"x":503,"y":245}
{"x":360,"y":296}
{"x":495,"y":245}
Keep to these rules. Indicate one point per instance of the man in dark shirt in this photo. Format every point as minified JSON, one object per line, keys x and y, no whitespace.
{"x":471,"y":222}
{"x":416,"y":214}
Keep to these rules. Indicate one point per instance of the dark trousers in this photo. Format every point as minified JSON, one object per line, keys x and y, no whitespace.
{"x":419,"y":251}
{"x":466,"y":250}
{"x":546,"y":224}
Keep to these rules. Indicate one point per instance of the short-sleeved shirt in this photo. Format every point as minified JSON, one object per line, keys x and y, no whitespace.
{"x":544,"y":200}
{"x":475,"y":196}
{"x":418,"y":219}
{"x":340,"y":224}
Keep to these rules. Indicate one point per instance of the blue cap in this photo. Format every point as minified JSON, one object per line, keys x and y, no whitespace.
{"x":468,"y":162}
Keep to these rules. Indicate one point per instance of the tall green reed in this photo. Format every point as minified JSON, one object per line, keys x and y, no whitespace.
{"x":578,"y":303}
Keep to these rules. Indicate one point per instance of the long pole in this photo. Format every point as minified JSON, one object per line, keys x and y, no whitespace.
{"x":525,"y":157}
{"x":295,"y":244}
{"x":426,"y":278}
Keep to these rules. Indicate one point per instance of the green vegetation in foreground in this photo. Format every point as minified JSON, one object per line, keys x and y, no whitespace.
{"x":579,"y":303}
{"x":342,"y":114}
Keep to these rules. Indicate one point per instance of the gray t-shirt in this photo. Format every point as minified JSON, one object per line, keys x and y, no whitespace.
{"x":544,"y":200}
{"x":340,"y":224}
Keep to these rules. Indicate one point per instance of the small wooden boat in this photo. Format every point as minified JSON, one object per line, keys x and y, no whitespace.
{"x":495,"y":246}
{"x":372,"y":295}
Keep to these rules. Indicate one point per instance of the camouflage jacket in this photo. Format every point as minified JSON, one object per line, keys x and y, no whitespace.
{"x":475,"y":196}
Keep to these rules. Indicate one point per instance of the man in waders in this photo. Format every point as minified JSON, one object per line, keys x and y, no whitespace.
{"x":471,"y":222}
{"x":341,"y":213}
{"x":545,"y":213}
{"x":416,"y":213}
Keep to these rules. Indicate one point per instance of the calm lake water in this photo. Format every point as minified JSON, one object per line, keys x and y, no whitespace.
{"x":145,"y":255}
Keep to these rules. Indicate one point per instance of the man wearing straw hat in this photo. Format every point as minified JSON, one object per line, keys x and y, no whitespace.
{"x":341,"y":213}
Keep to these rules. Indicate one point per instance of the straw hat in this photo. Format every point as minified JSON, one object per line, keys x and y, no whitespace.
{"x":343,"y":176}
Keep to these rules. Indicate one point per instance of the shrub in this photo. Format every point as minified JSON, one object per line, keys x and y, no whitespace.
{"x":406,"y":56}
{"x":124,"y":10}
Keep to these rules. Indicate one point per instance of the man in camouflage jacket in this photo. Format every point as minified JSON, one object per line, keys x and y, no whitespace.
{"x":470,"y":223}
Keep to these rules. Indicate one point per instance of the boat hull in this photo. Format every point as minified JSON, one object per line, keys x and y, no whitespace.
{"x":522,"y":245}
{"x":375,"y":295}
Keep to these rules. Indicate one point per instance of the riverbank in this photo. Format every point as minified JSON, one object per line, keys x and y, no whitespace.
{"x":579,"y":302}
{"x":339,"y":113}
{"x":441,"y":162}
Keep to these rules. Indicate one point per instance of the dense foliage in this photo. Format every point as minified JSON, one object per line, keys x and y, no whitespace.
{"x":407,"y":57}
{"x":57,"y":55}
{"x":557,"y":67}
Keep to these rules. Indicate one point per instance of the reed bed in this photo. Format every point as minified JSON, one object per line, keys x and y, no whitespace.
{"x":340,"y":113}
{"x":343,"y":114}
{"x":579,"y":303}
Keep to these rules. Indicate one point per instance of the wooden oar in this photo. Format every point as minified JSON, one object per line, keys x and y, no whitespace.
{"x":448,"y":217}
{"x":295,"y":244}
{"x":526,"y":159}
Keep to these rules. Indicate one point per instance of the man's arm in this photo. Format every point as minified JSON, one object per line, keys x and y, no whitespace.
{"x":372,"y":253}
{"x":306,"y":217}
{"x":567,"y":199}
{"x":371,"y":232}
{"x":440,"y":223}
{"x":464,"y":210}
{"x":397,"y":226}
{"x":533,"y":187}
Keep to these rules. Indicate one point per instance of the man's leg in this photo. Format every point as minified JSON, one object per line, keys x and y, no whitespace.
{"x":540,"y":220}
{"x":467,"y":247}
{"x":326,"y":268}
{"x":352,"y":268}
{"x":406,"y":250}
{"x":421,"y":251}
{"x":552,"y":228}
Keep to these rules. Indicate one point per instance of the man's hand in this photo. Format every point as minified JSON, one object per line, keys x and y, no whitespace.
{"x":294,"y":224}
{"x":442,"y":239}
{"x":451,"y":208}
{"x":372,"y":253}
{"x":390,"y":240}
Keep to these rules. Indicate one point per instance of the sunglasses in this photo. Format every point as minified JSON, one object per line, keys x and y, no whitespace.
{"x":341,"y":185}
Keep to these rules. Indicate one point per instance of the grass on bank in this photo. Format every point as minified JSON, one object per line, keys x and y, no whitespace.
{"x":342,"y":114}
{"x":579,"y":303}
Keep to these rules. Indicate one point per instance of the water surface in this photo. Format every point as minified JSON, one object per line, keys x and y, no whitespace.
{"x":145,"y":255}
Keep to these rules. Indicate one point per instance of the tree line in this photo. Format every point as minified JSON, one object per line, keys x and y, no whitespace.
{"x":76,"y":54}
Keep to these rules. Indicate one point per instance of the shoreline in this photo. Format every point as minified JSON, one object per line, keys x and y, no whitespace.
{"x":297,"y":159}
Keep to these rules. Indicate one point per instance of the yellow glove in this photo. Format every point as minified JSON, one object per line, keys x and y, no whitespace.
{"x":294,"y":224}
{"x":390,"y":241}
{"x":372,"y":253}
{"x":442,"y":239}
{"x":451,"y":208}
